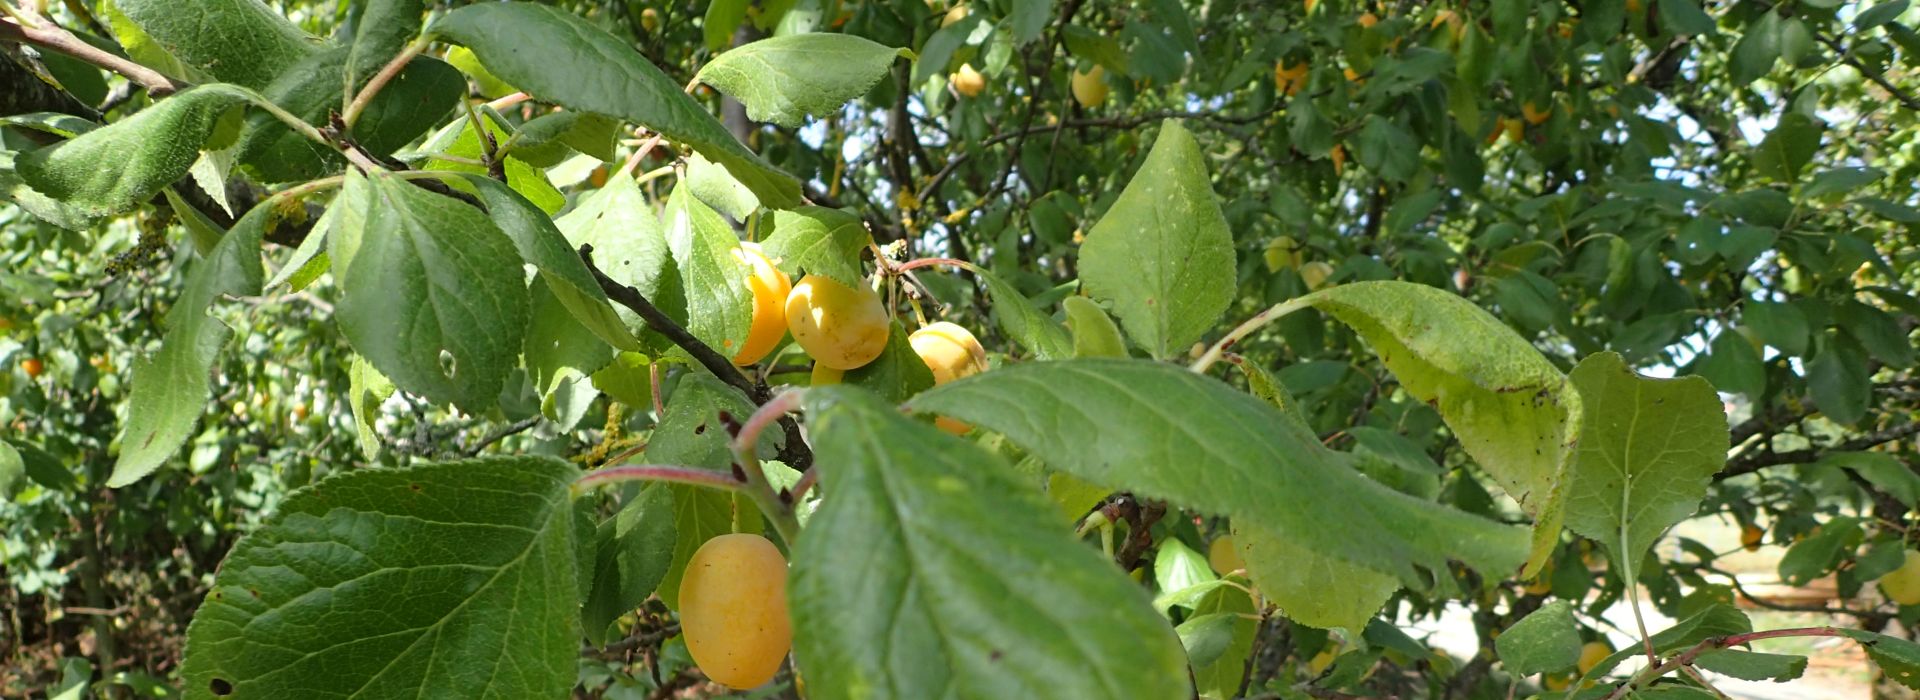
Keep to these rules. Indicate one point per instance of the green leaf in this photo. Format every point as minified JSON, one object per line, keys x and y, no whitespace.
{"x":558,"y":57}
{"x":1164,"y":432}
{"x":11,"y":469}
{"x":235,"y":41}
{"x":713,"y":186}
{"x":367,"y":388}
{"x":1028,"y":19}
{"x":561,"y":355}
{"x":1162,"y":256}
{"x":1838,"y":381}
{"x":171,"y":387}
{"x":1877,"y":331}
{"x":1715,"y":620}
{"x":626,"y":238}
{"x":139,"y":46}
{"x":897,"y":374}
{"x":1311,"y":588}
{"x":1387,"y":148}
{"x":1883,"y":470}
{"x":1754,"y":666}
{"x":1898,"y":658}
{"x":1176,"y":566}
{"x":634,"y":549}
{"x":1838,"y":181}
{"x":1788,"y":147}
{"x":115,"y":168}
{"x":1779,"y":324}
{"x":424,"y":275}
{"x":722,"y":18}
{"x":1821,"y":552}
{"x":456,"y":578}
{"x":1207,"y":637}
{"x":1094,"y":334}
{"x":785,"y":79}
{"x":542,"y":245}
{"x":1512,"y":410}
{"x":1648,"y":450}
{"x":1023,"y":321}
{"x":522,"y":177}
{"x":1222,"y":677}
{"x":1759,"y":46}
{"x":1733,"y":366}
{"x":1686,"y":17}
{"x":1545,"y":640}
{"x":818,"y":241}
{"x":719,"y":304}
{"x":383,"y":28}
{"x":931,"y":544}
{"x":1880,"y":13}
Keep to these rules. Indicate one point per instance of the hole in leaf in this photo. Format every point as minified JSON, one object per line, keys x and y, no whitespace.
{"x":220,"y":686}
{"x":447,"y":364}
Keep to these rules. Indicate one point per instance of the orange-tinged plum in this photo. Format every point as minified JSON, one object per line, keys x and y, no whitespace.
{"x":770,"y":288}
{"x":733,"y":610}
{"x":967,"y":81}
{"x":839,"y":326}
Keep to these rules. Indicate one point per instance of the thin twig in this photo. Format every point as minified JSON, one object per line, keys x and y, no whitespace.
{"x":49,"y":35}
{"x":657,"y":472}
{"x":380,"y":80}
{"x":656,"y":319}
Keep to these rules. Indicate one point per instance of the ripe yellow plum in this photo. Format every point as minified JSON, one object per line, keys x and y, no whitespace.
{"x":733,"y":610}
{"x":824,"y":375}
{"x":967,"y":81}
{"x":1315,"y":274}
{"x":1591,"y":654}
{"x":839,"y":326}
{"x":1090,"y":88}
{"x":770,"y":288}
{"x":951,"y":352}
{"x":1750,"y":535}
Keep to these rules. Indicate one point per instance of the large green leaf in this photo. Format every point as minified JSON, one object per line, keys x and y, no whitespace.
{"x":542,"y":245}
{"x":819,"y":241}
{"x":171,"y":387}
{"x":117,"y":167}
{"x":1788,"y":147}
{"x":1309,"y":587}
{"x":1543,"y":641}
{"x":234,"y":41}
{"x":933,"y":571}
{"x":1648,"y":450}
{"x":719,"y":304}
{"x":383,"y":28}
{"x":1163,"y":432}
{"x":422,"y":275}
{"x":558,"y":57}
{"x":785,"y":79}
{"x":456,"y":579}
{"x":627,"y":243}
{"x":1162,"y":255}
{"x":1511,"y":409}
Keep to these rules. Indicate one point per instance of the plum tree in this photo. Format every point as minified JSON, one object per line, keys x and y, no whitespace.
{"x":839,"y":326}
{"x":733,"y":609}
{"x":770,"y":288}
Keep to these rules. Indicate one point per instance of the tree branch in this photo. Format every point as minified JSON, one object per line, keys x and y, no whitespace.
{"x":793,"y":450}
{"x":1750,"y":463}
{"x":49,"y":35}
